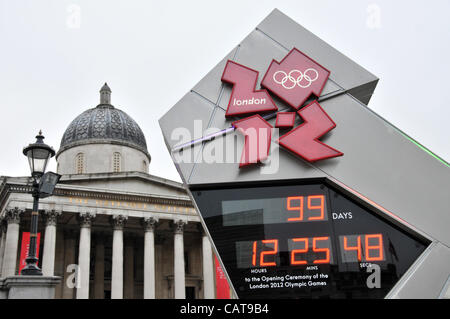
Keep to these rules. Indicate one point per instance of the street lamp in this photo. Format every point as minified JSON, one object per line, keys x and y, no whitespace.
{"x":38,"y":155}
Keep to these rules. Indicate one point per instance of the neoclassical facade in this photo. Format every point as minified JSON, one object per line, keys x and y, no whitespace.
{"x":111,"y":230}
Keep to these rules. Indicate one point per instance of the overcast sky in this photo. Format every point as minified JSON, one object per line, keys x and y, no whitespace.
{"x":55,"y":56}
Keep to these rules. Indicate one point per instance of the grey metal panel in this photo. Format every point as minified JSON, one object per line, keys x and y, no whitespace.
{"x":330,"y":87}
{"x":289,"y":34}
{"x":364,"y":92}
{"x":267,"y":50}
{"x":381,"y":164}
{"x":210,"y":86}
{"x":219,"y":121}
{"x":284,"y":165}
{"x":445,"y":292}
{"x":184,"y":160}
{"x":192,"y":109}
{"x":427,"y":277}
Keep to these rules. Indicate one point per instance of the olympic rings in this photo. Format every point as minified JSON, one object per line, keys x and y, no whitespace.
{"x":293,"y":81}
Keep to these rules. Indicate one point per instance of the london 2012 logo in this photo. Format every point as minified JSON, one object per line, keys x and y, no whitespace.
{"x":293,"y":80}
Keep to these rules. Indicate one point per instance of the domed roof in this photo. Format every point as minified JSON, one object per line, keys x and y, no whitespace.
{"x":104,"y":124}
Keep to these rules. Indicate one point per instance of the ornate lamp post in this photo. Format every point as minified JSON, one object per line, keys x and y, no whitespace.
{"x":38,"y":155}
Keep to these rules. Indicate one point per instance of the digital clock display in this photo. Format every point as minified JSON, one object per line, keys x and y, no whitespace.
{"x":305,"y":241}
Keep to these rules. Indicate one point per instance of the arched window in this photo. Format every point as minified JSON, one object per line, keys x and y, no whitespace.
{"x":144,"y":166}
{"x":116,"y":162}
{"x":80,"y":163}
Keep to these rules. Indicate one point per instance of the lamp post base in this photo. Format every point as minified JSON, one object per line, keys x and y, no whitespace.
{"x":31,"y":268}
{"x":30,"y":287}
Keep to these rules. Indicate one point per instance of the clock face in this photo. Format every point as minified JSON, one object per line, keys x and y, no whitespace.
{"x":304,"y":241}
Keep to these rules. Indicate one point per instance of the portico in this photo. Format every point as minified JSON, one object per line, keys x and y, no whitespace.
{"x":134,"y":250}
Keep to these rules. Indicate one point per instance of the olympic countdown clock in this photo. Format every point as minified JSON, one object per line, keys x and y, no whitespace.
{"x":303,"y":190}
{"x":304,"y":241}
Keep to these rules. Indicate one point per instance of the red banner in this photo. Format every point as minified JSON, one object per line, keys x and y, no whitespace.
{"x":25,"y":247}
{"x":222,"y":287}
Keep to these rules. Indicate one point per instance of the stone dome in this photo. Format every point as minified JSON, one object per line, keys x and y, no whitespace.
{"x":104,"y":124}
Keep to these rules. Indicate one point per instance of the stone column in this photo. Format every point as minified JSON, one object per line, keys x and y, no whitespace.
{"x":3,"y":227}
{"x":12,"y":241}
{"x":48,"y":260}
{"x":208,"y":267}
{"x":179,"y":275}
{"x":118,"y":222}
{"x":59,"y":261}
{"x":69,"y":259}
{"x":84,"y":254}
{"x":128,"y":280}
{"x":149,"y":257}
{"x":99,"y":275}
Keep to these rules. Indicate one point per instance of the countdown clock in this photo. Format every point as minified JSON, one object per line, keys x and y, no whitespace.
{"x":366,"y":218}
{"x":304,"y":241}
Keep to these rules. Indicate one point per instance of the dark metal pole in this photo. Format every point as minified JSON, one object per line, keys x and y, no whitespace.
{"x":32,"y":268}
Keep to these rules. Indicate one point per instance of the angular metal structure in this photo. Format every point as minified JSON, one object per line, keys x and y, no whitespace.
{"x":382,"y":171}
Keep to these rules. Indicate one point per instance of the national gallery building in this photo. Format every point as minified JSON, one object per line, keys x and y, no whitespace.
{"x":111,"y":230}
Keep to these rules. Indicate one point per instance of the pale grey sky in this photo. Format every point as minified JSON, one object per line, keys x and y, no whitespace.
{"x":55,"y":56}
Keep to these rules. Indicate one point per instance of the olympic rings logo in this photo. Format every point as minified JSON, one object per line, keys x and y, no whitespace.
{"x":296,"y":78}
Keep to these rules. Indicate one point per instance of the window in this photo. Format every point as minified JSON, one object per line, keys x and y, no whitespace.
{"x":80,"y":163}
{"x":116,"y":162}
{"x":144,"y":165}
